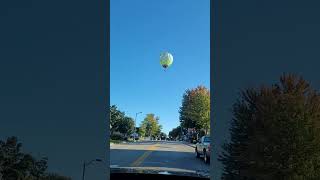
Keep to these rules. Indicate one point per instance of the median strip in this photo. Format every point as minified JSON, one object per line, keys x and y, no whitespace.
{"x":139,"y":161}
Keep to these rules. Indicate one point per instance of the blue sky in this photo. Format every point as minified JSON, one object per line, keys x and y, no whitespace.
{"x":139,"y":31}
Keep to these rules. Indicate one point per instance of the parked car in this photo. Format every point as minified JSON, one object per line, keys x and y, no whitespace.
{"x":203,"y":149}
{"x":134,"y":136}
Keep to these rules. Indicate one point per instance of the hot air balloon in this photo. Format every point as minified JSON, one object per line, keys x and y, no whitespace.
{"x":166,"y":60}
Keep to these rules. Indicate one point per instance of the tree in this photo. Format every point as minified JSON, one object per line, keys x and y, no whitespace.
{"x":39,"y":168}
{"x":150,"y":126}
{"x":138,"y":130}
{"x":116,"y":117}
{"x":126,"y":126}
{"x":16,"y":165}
{"x":54,"y":176}
{"x":158,"y":131}
{"x":195,"y":109}
{"x":163,"y":135}
{"x":119,"y":122}
{"x":175,"y":132}
{"x":275,"y":133}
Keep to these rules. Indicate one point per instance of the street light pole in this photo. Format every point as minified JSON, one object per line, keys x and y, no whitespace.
{"x":83,"y":170}
{"x":135,"y":124}
{"x":181,"y":132}
{"x":86,"y":164}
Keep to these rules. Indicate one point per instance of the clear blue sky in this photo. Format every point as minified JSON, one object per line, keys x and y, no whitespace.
{"x":140,"y":30}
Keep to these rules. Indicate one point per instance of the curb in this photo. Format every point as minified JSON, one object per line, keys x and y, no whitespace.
{"x":191,"y":145}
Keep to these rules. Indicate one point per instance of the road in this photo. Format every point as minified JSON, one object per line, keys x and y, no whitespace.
{"x":168,"y":154}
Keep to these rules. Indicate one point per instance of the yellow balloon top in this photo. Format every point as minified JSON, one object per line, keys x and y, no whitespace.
{"x":166,"y":59}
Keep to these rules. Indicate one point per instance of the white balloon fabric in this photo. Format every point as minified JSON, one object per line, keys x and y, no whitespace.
{"x":166,"y":59}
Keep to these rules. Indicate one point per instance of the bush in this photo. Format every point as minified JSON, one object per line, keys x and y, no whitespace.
{"x":117,"y":137}
{"x":275,"y":133}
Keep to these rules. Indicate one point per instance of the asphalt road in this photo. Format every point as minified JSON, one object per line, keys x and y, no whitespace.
{"x":156,"y":154}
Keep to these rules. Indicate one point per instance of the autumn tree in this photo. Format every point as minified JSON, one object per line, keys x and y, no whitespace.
{"x":195,"y":109}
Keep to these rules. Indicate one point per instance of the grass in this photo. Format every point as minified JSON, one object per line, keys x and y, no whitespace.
{"x":115,"y":141}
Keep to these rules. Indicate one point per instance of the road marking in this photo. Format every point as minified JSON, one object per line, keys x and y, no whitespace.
{"x":144,"y":156}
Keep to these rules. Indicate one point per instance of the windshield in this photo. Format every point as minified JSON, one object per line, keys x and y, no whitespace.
{"x":159,"y":86}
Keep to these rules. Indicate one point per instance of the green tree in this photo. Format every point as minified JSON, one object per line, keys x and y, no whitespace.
{"x":195,"y":109}
{"x":158,"y":131}
{"x":163,"y":135}
{"x":150,"y":126}
{"x":16,"y":165}
{"x":275,"y":133}
{"x":116,"y":117}
{"x":175,"y":132}
{"x":119,"y":122}
{"x":138,"y":129}
{"x":126,"y":126}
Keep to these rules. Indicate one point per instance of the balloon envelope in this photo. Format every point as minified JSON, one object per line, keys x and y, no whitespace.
{"x":166,"y":59}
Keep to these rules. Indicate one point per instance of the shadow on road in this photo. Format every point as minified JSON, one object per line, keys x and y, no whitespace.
{"x":155,"y":142}
{"x":169,"y":159}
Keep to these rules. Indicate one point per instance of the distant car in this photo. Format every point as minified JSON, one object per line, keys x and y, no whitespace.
{"x":134,"y":136}
{"x":203,"y":148}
